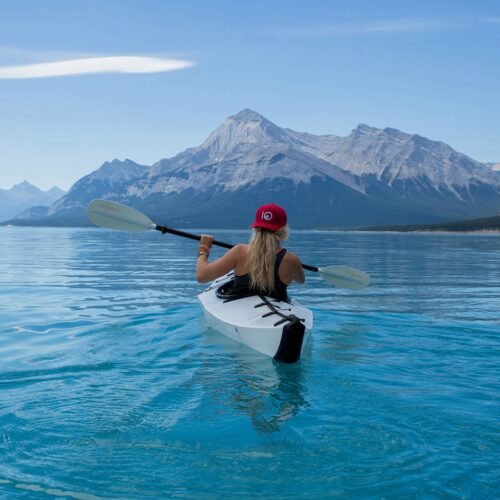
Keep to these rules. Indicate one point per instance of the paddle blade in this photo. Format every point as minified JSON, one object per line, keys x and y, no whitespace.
{"x":114,"y":215}
{"x":345,"y":277}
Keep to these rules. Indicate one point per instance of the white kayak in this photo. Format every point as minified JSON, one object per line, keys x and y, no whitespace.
{"x":272,"y":327}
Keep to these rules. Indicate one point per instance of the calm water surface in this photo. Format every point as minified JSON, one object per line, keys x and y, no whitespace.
{"x":111,"y":385}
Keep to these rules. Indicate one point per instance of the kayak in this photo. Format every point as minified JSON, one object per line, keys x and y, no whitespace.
{"x":275,"y":328}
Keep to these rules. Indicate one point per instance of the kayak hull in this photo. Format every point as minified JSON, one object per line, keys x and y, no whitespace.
{"x":275,"y":328}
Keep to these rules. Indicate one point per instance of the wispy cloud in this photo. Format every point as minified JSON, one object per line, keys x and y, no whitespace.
{"x":72,"y":67}
{"x":372,"y":27}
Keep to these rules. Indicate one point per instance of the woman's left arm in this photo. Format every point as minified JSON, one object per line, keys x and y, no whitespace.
{"x":208,"y":271}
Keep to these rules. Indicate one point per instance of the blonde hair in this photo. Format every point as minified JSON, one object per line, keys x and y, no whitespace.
{"x":262,"y":256}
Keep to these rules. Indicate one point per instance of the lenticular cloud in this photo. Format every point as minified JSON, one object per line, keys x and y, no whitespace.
{"x":123,"y":64}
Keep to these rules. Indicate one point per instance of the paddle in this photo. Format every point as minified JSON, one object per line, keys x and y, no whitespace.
{"x":114,"y":215}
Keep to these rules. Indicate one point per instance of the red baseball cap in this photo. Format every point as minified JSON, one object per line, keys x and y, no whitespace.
{"x":270,"y":216}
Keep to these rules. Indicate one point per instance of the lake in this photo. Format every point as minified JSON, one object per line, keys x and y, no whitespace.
{"x":112,"y":386}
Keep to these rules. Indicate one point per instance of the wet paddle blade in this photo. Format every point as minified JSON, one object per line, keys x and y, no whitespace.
{"x":345,"y":277}
{"x":114,"y":215}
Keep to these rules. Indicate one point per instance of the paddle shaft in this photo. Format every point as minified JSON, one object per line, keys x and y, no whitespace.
{"x":114,"y":215}
{"x":184,"y":234}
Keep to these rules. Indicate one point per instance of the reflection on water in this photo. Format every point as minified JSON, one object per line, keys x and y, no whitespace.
{"x":270,"y":393}
{"x":270,"y":399}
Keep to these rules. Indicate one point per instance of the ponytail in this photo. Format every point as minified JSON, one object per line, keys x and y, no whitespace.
{"x":262,"y":257}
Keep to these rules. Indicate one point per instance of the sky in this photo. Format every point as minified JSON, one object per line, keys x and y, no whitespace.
{"x":87,"y":81}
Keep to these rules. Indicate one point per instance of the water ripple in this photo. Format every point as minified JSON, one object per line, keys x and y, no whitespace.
{"x":112,"y":386}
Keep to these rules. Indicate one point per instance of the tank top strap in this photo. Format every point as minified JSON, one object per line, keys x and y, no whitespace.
{"x":279,"y":258}
{"x":280,"y":289}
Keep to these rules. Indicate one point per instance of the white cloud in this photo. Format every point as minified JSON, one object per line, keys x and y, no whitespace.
{"x":372,"y":27}
{"x":121,"y":64}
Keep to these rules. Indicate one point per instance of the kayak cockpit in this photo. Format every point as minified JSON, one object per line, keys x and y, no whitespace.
{"x":275,"y":328}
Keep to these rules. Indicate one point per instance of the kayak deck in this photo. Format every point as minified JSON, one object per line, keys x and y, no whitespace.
{"x":275,"y":328}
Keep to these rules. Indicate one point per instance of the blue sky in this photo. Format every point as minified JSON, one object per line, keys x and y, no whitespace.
{"x":428,"y":67}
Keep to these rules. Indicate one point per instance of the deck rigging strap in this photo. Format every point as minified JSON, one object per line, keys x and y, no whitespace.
{"x":274,"y":310}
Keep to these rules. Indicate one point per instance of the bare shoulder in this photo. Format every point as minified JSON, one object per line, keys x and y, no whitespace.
{"x":238,"y":253}
{"x":294,"y":266}
{"x":240,"y":249}
{"x":292,"y":258}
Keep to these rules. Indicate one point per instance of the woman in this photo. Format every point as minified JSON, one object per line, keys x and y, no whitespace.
{"x":262,"y":266}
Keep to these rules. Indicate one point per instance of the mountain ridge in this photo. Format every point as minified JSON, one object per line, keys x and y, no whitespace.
{"x":24,"y":195}
{"x":375,"y":175}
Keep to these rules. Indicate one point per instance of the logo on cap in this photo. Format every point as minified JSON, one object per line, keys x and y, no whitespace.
{"x":267,"y":216}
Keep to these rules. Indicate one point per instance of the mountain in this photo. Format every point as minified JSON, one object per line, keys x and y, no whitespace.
{"x":23,"y":196}
{"x":246,"y":161}
{"x":372,"y":176}
{"x":110,"y":181}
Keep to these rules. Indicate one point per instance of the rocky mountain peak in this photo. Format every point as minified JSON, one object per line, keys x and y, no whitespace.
{"x":55,"y":192}
{"x":367,"y":132}
{"x":394,"y":133}
{"x":25,"y":187}
{"x":241,"y":131}
{"x":363,"y":130}
{"x":248,"y":115}
{"x":119,"y":171}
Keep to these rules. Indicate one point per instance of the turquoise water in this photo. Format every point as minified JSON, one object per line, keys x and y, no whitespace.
{"x":111,"y":385}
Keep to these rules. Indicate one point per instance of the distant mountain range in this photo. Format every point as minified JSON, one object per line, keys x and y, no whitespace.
{"x":23,"y":196}
{"x":371,"y":177}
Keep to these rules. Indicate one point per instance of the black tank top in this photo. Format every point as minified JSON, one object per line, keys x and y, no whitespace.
{"x":242,"y":283}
